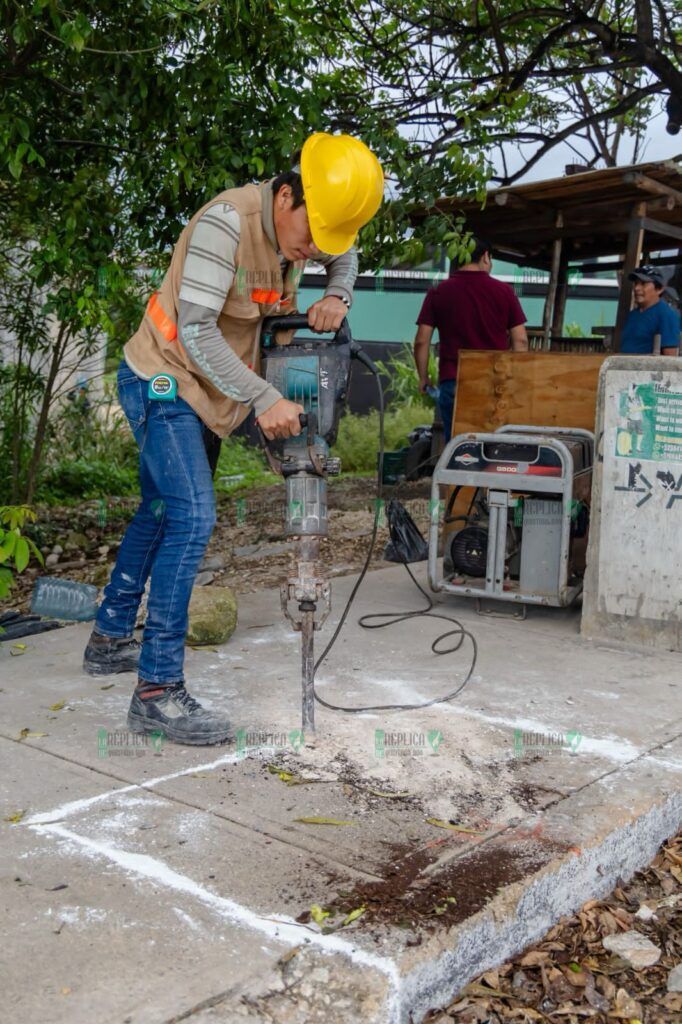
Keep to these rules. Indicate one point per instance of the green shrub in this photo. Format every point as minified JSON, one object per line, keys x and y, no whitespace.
{"x":574,"y":330}
{"x":241,"y":465}
{"x":401,"y":370}
{"x":358,"y":441}
{"x":95,"y":477}
{"x":15,"y":548}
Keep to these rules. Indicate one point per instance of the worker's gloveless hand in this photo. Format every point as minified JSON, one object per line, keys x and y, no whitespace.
{"x":327,"y":314}
{"x":281,"y":420}
{"x":424,"y":383}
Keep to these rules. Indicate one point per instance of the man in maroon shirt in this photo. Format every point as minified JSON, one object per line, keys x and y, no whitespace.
{"x":471,"y":310}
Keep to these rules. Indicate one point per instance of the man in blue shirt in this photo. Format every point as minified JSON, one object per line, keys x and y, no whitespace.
{"x":651,"y":316}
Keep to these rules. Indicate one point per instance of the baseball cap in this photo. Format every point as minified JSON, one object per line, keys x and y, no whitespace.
{"x":647,"y":272}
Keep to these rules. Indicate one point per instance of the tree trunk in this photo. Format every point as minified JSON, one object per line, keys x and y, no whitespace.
{"x":39,"y":439}
{"x":17,"y":432}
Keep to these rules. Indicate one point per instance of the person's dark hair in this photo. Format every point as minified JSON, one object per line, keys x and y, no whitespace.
{"x":481,"y":246}
{"x":294,"y":180}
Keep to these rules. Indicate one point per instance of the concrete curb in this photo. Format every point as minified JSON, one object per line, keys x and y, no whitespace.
{"x":525,"y":911}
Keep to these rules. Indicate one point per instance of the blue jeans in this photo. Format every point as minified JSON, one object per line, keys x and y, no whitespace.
{"x":446,"y":405}
{"x":168,"y":535}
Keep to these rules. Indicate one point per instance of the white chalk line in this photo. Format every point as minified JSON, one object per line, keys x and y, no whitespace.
{"x":275,"y":927}
{"x":76,"y":806}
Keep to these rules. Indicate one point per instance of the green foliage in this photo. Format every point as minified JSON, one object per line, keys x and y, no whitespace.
{"x":118,"y":120}
{"x":241,"y":465}
{"x":15,"y":548}
{"x":401,"y":370}
{"x":358,"y":441}
{"x":68,"y":480}
{"x":91,"y":451}
{"x":574,"y":330}
{"x":105,"y":153}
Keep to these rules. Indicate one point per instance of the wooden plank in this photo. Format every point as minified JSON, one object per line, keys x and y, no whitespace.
{"x":540,"y":388}
{"x":661,"y":227}
{"x":648,"y":184}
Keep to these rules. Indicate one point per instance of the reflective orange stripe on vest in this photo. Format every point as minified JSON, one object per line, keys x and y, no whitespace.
{"x":264,"y":296}
{"x":163,"y":323}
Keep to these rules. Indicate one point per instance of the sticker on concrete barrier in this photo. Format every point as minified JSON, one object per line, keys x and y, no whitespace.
{"x":650,"y":423}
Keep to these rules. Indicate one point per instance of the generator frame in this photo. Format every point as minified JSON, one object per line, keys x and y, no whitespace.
{"x":499,"y":490}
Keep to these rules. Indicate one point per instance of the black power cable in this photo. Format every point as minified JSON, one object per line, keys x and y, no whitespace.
{"x":391,"y":618}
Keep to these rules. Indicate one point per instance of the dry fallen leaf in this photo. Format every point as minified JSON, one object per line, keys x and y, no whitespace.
{"x":474,"y":989}
{"x":15,"y":818}
{"x":453,"y":828}
{"x":26,"y":734}
{"x":386,"y":796}
{"x":535,"y":957}
{"x":289,"y":955}
{"x":625,"y":1007}
{"x":491,"y":978}
{"x":58,"y":706}
{"x":323,"y":821}
{"x":289,"y":778}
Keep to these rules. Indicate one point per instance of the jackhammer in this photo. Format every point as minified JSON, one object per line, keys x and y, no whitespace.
{"x":314,"y":373}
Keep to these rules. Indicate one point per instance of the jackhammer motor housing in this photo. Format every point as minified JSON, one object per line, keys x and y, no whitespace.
{"x":314,"y":373}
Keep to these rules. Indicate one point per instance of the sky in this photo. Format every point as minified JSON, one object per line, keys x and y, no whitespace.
{"x":658,"y":146}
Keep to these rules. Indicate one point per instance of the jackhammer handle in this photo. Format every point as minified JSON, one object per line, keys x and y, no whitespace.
{"x":309,"y":420}
{"x":299,"y":322}
{"x":292,"y":322}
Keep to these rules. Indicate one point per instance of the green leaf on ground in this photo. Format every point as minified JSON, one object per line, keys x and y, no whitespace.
{"x":318,"y":914}
{"x":353,"y":916}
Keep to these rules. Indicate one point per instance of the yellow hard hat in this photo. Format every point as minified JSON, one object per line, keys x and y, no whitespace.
{"x":343,"y":185}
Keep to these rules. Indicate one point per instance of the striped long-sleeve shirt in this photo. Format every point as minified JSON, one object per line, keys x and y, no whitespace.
{"x":207,"y":278}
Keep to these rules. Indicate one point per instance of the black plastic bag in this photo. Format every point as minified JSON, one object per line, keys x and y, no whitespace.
{"x":406,"y":543}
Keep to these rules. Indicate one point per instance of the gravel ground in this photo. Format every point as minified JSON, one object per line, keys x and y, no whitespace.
{"x":248,"y":550}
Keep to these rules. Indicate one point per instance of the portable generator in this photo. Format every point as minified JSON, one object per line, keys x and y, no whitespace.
{"x":524,"y":536}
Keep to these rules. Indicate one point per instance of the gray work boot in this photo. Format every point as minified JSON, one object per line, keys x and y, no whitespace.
{"x":180,"y":718}
{"x":107,"y":655}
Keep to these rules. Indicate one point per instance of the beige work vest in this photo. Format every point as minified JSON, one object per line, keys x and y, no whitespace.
{"x":257,"y":291}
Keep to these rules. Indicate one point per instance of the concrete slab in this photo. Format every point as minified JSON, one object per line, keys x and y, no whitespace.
{"x":558,"y":765}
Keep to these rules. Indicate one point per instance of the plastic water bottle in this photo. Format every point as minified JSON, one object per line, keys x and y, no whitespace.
{"x":433,"y":392}
{"x":64,"y":599}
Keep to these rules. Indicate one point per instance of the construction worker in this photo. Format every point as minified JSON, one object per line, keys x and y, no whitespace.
{"x":189,"y":377}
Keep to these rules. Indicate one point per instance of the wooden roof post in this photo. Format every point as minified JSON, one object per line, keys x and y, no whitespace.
{"x":553,"y":281}
{"x":632,"y":257}
{"x":559,"y":313}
